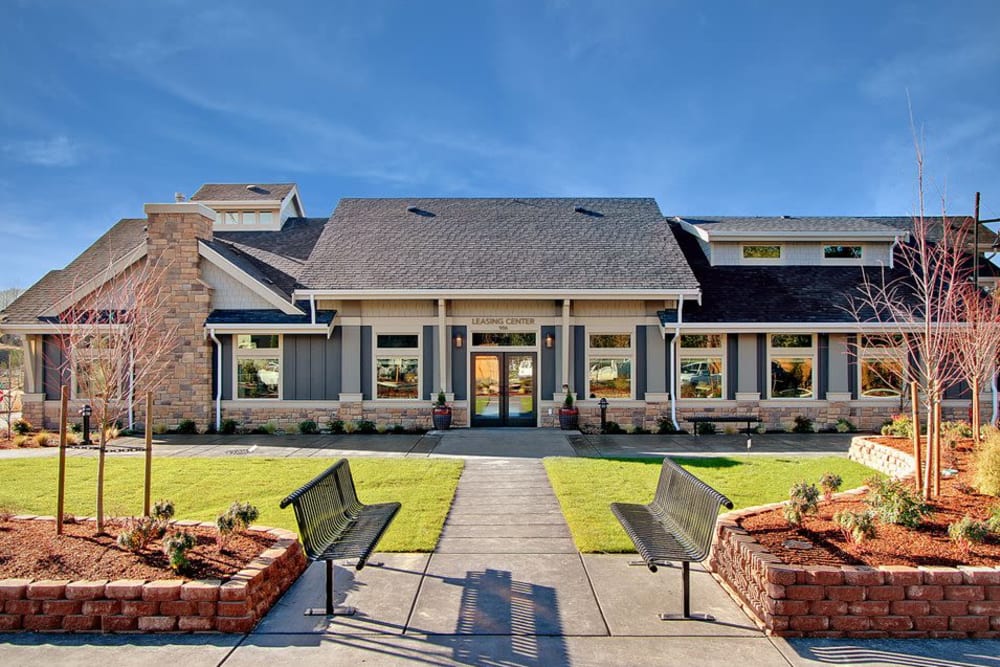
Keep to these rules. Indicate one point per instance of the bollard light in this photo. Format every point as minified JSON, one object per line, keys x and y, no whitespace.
{"x":85,"y":412}
{"x":603,"y":404}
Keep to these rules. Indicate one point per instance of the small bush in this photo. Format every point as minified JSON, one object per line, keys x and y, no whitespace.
{"x":956,"y":430}
{"x":163,"y":510}
{"x":229,"y":426}
{"x":857,"y":527}
{"x":366,"y":427}
{"x":895,"y":502}
{"x":803,"y":499}
{"x":238,"y":517}
{"x":398,"y":428}
{"x":176,"y":547}
{"x":6,"y":514}
{"x":705,"y":428}
{"x":159,"y":429}
{"x":336,"y":426}
{"x":967,"y":531}
{"x":381,"y":429}
{"x":308,"y":427}
{"x":845,"y":426}
{"x":994,"y":520}
{"x":187,"y":427}
{"x":665,"y":426}
{"x":350,"y":427}
{"x":640,"y":430}
{"x":137,"y":533}
{"x":43,"y":438}
{"x":900,"y":426}
{"x":22,"y":441}
{"x":613,"y":428}
{"x":803,"y":425}
{"x":270,"y":428}
{"x":76,"y":428}
{"x":830,"y":483}
{"x":72,"y":439}
{"x":23,"y":427}
{"x":986,"y":465}
{"x":761,"y":429}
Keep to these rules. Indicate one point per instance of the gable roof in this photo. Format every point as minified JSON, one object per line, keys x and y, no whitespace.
{"x":115,"y":244}
{"x":237,"y":192}
{"x":491,"y":244}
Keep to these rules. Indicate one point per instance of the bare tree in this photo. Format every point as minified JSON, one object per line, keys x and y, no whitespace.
{"x":117,"y":342}
{"x":919,"y":306}
{"x":977,"y":341}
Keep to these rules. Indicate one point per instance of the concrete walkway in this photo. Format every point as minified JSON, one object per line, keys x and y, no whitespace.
{"x":504,"y":587}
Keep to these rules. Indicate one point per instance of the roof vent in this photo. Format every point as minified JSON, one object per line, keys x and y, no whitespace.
{"x":587,"y":211}
{"x":786,"y":217}
{"x":178,"y":197}
{"x":255,"y":188}
{"x":419,"y":211}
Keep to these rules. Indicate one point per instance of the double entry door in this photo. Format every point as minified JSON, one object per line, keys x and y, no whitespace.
{"x":503,"y":389}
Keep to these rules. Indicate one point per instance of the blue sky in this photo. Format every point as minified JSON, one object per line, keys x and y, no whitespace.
{"x":749,"y":108}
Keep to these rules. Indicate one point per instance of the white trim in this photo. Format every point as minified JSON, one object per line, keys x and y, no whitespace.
{"x":115,"y":269}
{"x":490,"y":294}
{"x":710,"y":235}
{"x":780,"y":259}
{"x":246,"y":280}
{"x":401,"y":352}
{"x":258,"y":353}
{"x":611,"y":353}
{"x":842,"y":261}
{"x":181,"y":208}
{"x":271,"y":328}
{"x":684,"y":353}
{"x":811,"y":353}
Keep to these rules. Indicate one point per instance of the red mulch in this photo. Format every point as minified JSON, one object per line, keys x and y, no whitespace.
{"x":894,"y":545}
{"x":32,"y":550}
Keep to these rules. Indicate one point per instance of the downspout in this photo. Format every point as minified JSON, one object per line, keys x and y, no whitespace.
{"x":218,"y":380}
{"x":312,"y":307}
{"x":892,"y":252}
{"x":673,"y":364}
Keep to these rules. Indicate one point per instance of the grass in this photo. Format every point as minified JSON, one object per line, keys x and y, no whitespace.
{"x":203,"y":488}
{"x":585,"y":487}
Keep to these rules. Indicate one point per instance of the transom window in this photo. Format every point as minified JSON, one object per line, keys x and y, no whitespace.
{"x":397,"y":366}
{"x":234,"y":219}
{"x":258,"y":366}
{"x":792,"y":359}
{"x":881,"y":362}
{"x":762,"y":252}
{"x":609,"y":363}
{"x":842,"y":252}
{"x":702,"y":362}
{"x":503,"y":339}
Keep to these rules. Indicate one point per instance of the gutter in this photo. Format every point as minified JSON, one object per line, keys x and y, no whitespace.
{"x":218,"y":380}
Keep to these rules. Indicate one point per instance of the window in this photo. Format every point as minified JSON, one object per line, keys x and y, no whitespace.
{"x":880,"y":366}
{"x":792,"y":357}
{"x":762,"y":252}
{"x":610,"y":365}
{"x":842,"y":252}
{"x":397,"y":366}
{"x":232,"y":217}
{"x":503,"y":339}
{"x":250,"y":218}
{"x":258,"y":366}
{"x":702,"y":362}
{"x":265,"y":218}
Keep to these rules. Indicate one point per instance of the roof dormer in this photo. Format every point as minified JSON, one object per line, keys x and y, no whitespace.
{"x":250,"y":207}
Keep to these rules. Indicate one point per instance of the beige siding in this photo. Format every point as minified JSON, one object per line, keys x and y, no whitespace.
{"x":227,"y":292}
{"x":609,"y":308}
{"x":798,"y":254}
{"x":518,"y":308}
{"x":398,"y":308}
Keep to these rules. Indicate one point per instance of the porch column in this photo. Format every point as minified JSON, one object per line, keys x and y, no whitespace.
{"x":31,"y":363}
{"x":564,"y":348}
{"x":443,"y":345}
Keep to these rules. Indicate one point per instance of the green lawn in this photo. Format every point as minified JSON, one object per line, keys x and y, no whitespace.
{"x":585,"y":487}
{"x":203,"y":488}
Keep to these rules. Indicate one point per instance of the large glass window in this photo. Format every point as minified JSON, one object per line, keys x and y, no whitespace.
{"x":503,"y":339}
{"x":610,"y":365}
{"x":842,"y":252}
{"x":397,"y":365}
{"x":762,"y":252}
{"x":702,"y":362}
{"x":880,"y":366}
{"x":793,"y":358}
{"x":258,"y":366}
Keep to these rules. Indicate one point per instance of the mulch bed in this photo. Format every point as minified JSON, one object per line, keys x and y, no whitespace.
{"x":32,"y":550}
{"x":894,"y":545}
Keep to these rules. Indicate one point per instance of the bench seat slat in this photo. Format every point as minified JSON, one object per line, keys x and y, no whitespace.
{"x":654,"y":544}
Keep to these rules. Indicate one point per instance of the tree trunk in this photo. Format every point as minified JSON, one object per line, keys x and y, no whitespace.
{"x":61,"y":486}
{"x":100,"y":473}
{"x":918,"y":460}
{"x":975,"y":410}
{"x":149,"y":454}
{"x":937,"y":449}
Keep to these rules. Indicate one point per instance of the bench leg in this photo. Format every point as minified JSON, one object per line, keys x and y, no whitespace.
{"x":330,"y":609}
{"x":688,"y":616}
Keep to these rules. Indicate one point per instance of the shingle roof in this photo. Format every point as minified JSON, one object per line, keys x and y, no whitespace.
{"x":239,"y":192}
{"x":832,"y":224}
{"x":114,"y":244}
{"x":490,"y":244}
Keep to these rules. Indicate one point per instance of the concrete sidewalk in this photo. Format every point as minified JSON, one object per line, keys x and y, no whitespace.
{"x":505,"y":586}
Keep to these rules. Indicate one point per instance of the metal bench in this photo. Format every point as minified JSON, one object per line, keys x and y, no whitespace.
{"x":335,"y":525}
{"x":677,"y":526}
{"x":749,"y":419}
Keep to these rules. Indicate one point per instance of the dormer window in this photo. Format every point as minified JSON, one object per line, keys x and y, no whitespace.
{"x":231,"y":220}
{"x":772,"y":252}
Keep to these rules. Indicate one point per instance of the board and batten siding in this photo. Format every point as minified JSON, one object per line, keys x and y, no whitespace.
{"x":229,"y":293}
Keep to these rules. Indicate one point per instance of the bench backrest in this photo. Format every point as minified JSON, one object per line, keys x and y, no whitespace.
{"x":320,"y":510}
{"x":689,"y":506}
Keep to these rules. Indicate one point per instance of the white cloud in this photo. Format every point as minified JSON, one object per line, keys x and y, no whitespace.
{"x":59,"y":151}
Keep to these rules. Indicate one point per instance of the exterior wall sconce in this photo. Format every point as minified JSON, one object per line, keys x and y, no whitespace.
{"x":459,"y":341}
{"x":550,"y":340}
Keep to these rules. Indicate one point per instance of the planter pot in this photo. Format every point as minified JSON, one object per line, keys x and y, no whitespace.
{"x":569,"y":419}
{"x":441,"y":418}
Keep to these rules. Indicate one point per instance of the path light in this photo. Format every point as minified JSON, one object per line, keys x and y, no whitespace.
{"x":85,"y":412}
{"x":603,"y":404}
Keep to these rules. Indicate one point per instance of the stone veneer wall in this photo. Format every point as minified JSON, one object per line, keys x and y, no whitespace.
{"x":135,"y":605}
{"x":885,"y":459}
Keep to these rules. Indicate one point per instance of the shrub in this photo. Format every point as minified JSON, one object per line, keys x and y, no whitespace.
{"x":111,"y":432}
{"x":967,"y":531}
{"x":76,"y":428}
{"x":381,"y":429}
{"x":350,"y":427}
{"x":613,"y":428}
{"x":187,"y":427}
{"x":986,"y":465}
{"x":270,"y":428}
{"x":856,"y":526}
{"x":665,"y":426}
{"x":239,"y":516}
{"x":22,"y":441}
{"x":72,"y":439}
{"x":176,"y":547}
{"x":803,"y":425}
{"x":830,"y":483}
{"x":43,"y":438}
{"x":163,"y":510}
{"x":308,"y":427}
{"x":639,"y":430}
{"x":705,"y":428}
{"x":803,"y":500}
{"x":895,"y":502}
{"x":845,"y":426}
{"x":6,"y":514}
{"x":336,"y":426}
{"x":137,"y":533}
{"x":994,"y":520}
{"x":159,"y":429}
{"x":229,"y":426}
{"x":398,"y":428}
{"x":366,"y":427}
{"x":956,"y":430}
{"x":761,"y":429}
{"x":900,"y":426}
{"x":23,"y":427}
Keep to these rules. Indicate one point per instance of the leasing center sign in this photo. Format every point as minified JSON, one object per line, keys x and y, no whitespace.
{"x":503,"y":322}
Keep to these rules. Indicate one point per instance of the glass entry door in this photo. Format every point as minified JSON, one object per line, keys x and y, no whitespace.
{"x":503,"y":389}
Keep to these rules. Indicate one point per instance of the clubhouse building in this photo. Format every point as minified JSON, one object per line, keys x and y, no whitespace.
{"x":503,"y":304}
